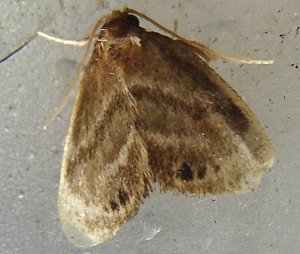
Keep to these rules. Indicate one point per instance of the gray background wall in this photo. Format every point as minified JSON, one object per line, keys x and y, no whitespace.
{"x":34,"y":81}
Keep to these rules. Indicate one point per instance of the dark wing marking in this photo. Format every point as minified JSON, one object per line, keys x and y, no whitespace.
{"x":201,"y":136}
{"x":105,"y":173}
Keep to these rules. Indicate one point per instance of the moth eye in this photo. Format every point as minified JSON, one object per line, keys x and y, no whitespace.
{"x":133,"y":20}
{"x":185,"y":173}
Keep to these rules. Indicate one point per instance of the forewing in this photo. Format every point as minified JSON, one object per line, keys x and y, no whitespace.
{"x":105,"y":171}
{"x":201,"y":136}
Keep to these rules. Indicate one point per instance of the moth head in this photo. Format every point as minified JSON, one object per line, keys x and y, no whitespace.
{"x":119,"y":24}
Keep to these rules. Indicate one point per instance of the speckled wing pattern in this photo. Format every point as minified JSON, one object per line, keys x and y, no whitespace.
{"x":105,"y":172}
{"x":149,"y":109}
{"x":201,"y":136}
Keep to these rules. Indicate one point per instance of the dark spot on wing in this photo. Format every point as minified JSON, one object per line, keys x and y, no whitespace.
{"x":113,"y":205}
{"x":185,"y":173}
{"x":123,"y":197}
{"x":201,"y":172}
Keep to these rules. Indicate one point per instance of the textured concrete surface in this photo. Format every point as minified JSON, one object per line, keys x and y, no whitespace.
{"x":35,"y":79}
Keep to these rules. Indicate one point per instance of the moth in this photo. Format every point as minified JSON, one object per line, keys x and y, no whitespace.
{"x":149,"y":109}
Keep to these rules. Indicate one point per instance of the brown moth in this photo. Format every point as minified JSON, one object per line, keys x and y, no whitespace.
{"x":150,"y":109}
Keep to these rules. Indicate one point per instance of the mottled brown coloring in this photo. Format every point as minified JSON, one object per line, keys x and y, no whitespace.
{"x":150,"y":110}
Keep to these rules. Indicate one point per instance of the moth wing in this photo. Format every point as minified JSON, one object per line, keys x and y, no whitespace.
{"x":105,"y":173}
{"x":201,"y":136}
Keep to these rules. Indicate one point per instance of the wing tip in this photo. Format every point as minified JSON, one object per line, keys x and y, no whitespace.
{"x":75,"y":227}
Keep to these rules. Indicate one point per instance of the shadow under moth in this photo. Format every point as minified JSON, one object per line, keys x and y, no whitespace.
{"x":150,"y":110}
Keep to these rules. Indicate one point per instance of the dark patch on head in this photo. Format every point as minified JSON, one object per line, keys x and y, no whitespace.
{"x":113,"y":205}
{"x":132,"y":20}
{"x":119,"y":25}
{"x":185,"y":173}
{"x":123,"y":196}
{"x":217,"y":168}
{"x":201,"y":172}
